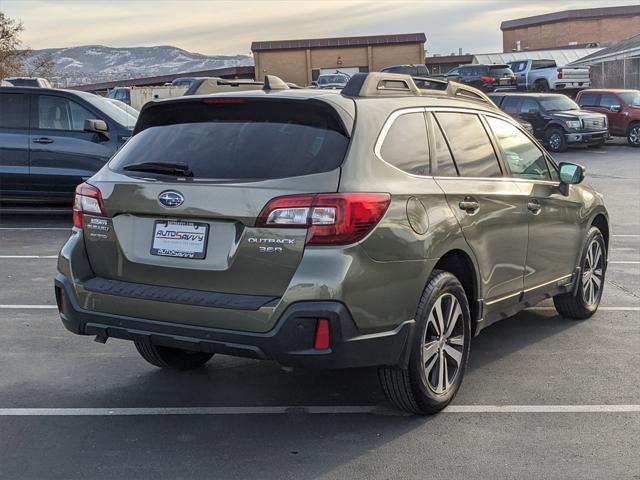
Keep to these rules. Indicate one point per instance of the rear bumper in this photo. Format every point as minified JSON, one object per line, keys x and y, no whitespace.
{"x":587,"y":137}
{"x":290,"y":342}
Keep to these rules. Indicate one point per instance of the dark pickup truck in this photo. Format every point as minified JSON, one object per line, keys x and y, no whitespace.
{"x":556,"y":119}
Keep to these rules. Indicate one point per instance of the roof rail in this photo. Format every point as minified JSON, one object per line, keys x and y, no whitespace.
{"x":271,"y":82}
{"x":377,"y":84}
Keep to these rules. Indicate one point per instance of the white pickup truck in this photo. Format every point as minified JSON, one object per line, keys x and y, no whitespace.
{"x":546,"y":76}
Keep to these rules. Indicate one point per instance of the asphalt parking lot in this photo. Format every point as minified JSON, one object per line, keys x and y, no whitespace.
{"x":543,"y":398}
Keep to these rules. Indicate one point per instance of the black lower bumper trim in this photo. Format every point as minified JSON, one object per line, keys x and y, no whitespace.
{"x":290,"y":342}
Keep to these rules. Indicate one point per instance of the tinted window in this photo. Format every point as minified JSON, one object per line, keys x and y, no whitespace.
{"x":471,"y":147}
{"x":406,"y":146}
{"x":558,"y":103}
{"x":500,"y":70}
{"x":518,"y":66}
{"x":589,"y":100}
{"x":14,"y":110}
{"x":539,"y":64}
{"x":59,"y":113}
{"x":446,"y":167}
{"x":631,"y":98}
{"x":248,"y":141}
{"x":529,"y":106}
{"x":511,"y":104}
{"x":607,"y":100}
{"x":423,"y":71}
{"x":525,"y":159}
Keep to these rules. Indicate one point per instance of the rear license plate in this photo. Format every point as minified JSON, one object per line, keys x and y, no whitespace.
{"x":172,"y":238}
{"x":505,"y":81}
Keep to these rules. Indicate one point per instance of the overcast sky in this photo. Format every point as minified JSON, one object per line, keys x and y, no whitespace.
{"x":229,"y":27}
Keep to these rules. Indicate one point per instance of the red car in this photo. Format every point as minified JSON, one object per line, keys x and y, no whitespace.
{"x":622,"y":107}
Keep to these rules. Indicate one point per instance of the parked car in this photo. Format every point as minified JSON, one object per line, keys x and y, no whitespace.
{"x":209,"y":85}
{"x":331,"y":81}
{"x":622,"y":108}
{"x":410,"y":69}
{"x":488,"y":78}
{"x":545,"y":76}
{"x":184,"y":81}
{"x":122,"y":94}
{"x":322,"y":238}
{"x":29,"y":82}
{"x":52,"y":140}
{"x":557,"y":120}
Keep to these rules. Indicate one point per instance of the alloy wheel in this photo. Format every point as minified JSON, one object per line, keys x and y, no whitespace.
{"x":592,"y":275}
{"x":555,"y":141}
{"x":634,"y":135}
{"x":443,"y":343}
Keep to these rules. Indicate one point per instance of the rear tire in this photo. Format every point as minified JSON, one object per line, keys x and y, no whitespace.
{"x":171,"y":358}
{"x":439,"y":350}
{"x":541,"y":86}
{"x":555,"y":140}
{"x":633,"y":137}
{"x":593,"y":265}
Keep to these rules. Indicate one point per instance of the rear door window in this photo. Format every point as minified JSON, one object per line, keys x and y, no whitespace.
{"x":444,"y":160}
{"x":529,"y":106}
{"x":470,"y":144}
{"x":589,"y":100}
{"x":524,"y":158}
{"x":237,"y":139}
{"x":14,"y":110}
{"x":405,"y":146}
{"x":607,"y":100}
{"x":511,"y":105}
{"x":60,"y":113}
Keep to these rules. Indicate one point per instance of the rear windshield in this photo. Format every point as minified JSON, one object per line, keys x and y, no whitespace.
{"x":500,"y":70}
{"x":252,"y":141}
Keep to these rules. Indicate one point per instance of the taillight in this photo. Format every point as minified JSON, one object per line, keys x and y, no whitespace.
{"x":560,"y":73}
{"x":331,"y":218}
{"x":488,"y":79}
{"x":87,"y":199}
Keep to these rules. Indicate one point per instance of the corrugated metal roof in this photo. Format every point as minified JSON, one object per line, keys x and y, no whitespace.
{"x":571,"y":15}
{"x":562,"y":57}
{"x":625,"y":49}
{"x":339,"y":42}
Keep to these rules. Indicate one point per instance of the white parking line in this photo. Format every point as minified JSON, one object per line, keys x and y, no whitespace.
{"x":28,"y":256}
{"x":604,"y":309}
{"x":628,"y":262}
{"x":26,"y":307}
{"x":331,"y":410}
{"x":632,"y":236}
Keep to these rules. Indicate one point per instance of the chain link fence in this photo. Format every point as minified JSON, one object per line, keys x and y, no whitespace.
{"x":623,"y":73}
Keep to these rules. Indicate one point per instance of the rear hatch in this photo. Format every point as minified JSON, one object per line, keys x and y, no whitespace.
{"x":500,"y":76}
{"x":181,"y":198}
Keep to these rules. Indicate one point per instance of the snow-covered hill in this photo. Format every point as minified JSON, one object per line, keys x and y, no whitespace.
{"x":97,"y":63}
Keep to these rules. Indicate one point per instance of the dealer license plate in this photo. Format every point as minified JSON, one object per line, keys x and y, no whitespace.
{"x":172,"y":238}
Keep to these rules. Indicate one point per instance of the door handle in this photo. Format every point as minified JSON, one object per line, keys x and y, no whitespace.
{"x":534,"y":207}
{"x":470,"y":205}
{"x":43,"y":140}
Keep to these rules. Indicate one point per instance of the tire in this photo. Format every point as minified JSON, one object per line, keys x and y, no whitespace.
{"x":633,"y":136}
{"x":593,"y":266}
{"x":555,"y":140}
{"x":171,"y":358}
{"x":541,"y":86}
{"x":424,"y":387}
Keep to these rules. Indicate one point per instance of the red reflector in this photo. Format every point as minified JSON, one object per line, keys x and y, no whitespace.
{"x":223,"y":100}
{"x":322,"y":335}
{"x":59,"y":299}
{"x":488,"y":79}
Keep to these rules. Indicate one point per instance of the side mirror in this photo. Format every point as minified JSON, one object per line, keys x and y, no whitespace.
{"x":96,"y":126}
{"x":570,"y":173}
{"x":615,"y":108}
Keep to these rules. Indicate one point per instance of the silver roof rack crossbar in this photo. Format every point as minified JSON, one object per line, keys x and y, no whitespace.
{"x":377,"y":84}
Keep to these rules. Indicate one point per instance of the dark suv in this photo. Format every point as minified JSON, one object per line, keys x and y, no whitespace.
{"x":488,"y":78}
{"x":383,"y":225}
{"x":622,"y":108}
{"x":52,"y":140}
{"x":557,"y":120}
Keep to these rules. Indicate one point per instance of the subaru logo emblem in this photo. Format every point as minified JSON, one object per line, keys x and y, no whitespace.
{"x":171,"y":198}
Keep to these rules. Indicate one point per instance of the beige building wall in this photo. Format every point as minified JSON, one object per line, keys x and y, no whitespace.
{"x":295,"y":65}
{"x":562,"y":33}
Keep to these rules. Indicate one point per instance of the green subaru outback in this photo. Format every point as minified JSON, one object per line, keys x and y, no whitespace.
{"x":384,"y":225}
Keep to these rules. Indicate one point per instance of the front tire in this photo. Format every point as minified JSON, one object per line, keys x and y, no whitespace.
{"x":171,"y":358}
{"x":633,"y":137}
{"x":556,"y":141}
{"x":439,"y":350}
{"x":593,"y":265}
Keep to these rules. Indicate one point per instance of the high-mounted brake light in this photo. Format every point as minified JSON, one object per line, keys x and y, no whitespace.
{"x":223,"y":100}
{"x":87,"y":199}
{"x":331,"y":218}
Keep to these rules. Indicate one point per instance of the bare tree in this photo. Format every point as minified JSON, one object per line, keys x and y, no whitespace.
{"x":39,"y":65}
{"x":12,"y":57}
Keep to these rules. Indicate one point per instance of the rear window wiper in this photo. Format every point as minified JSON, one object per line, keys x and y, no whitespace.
{"x":181,"y":169}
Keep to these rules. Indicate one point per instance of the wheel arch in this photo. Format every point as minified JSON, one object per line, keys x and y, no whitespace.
{"x":460,"y":263}
{"x":601,"y":221}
